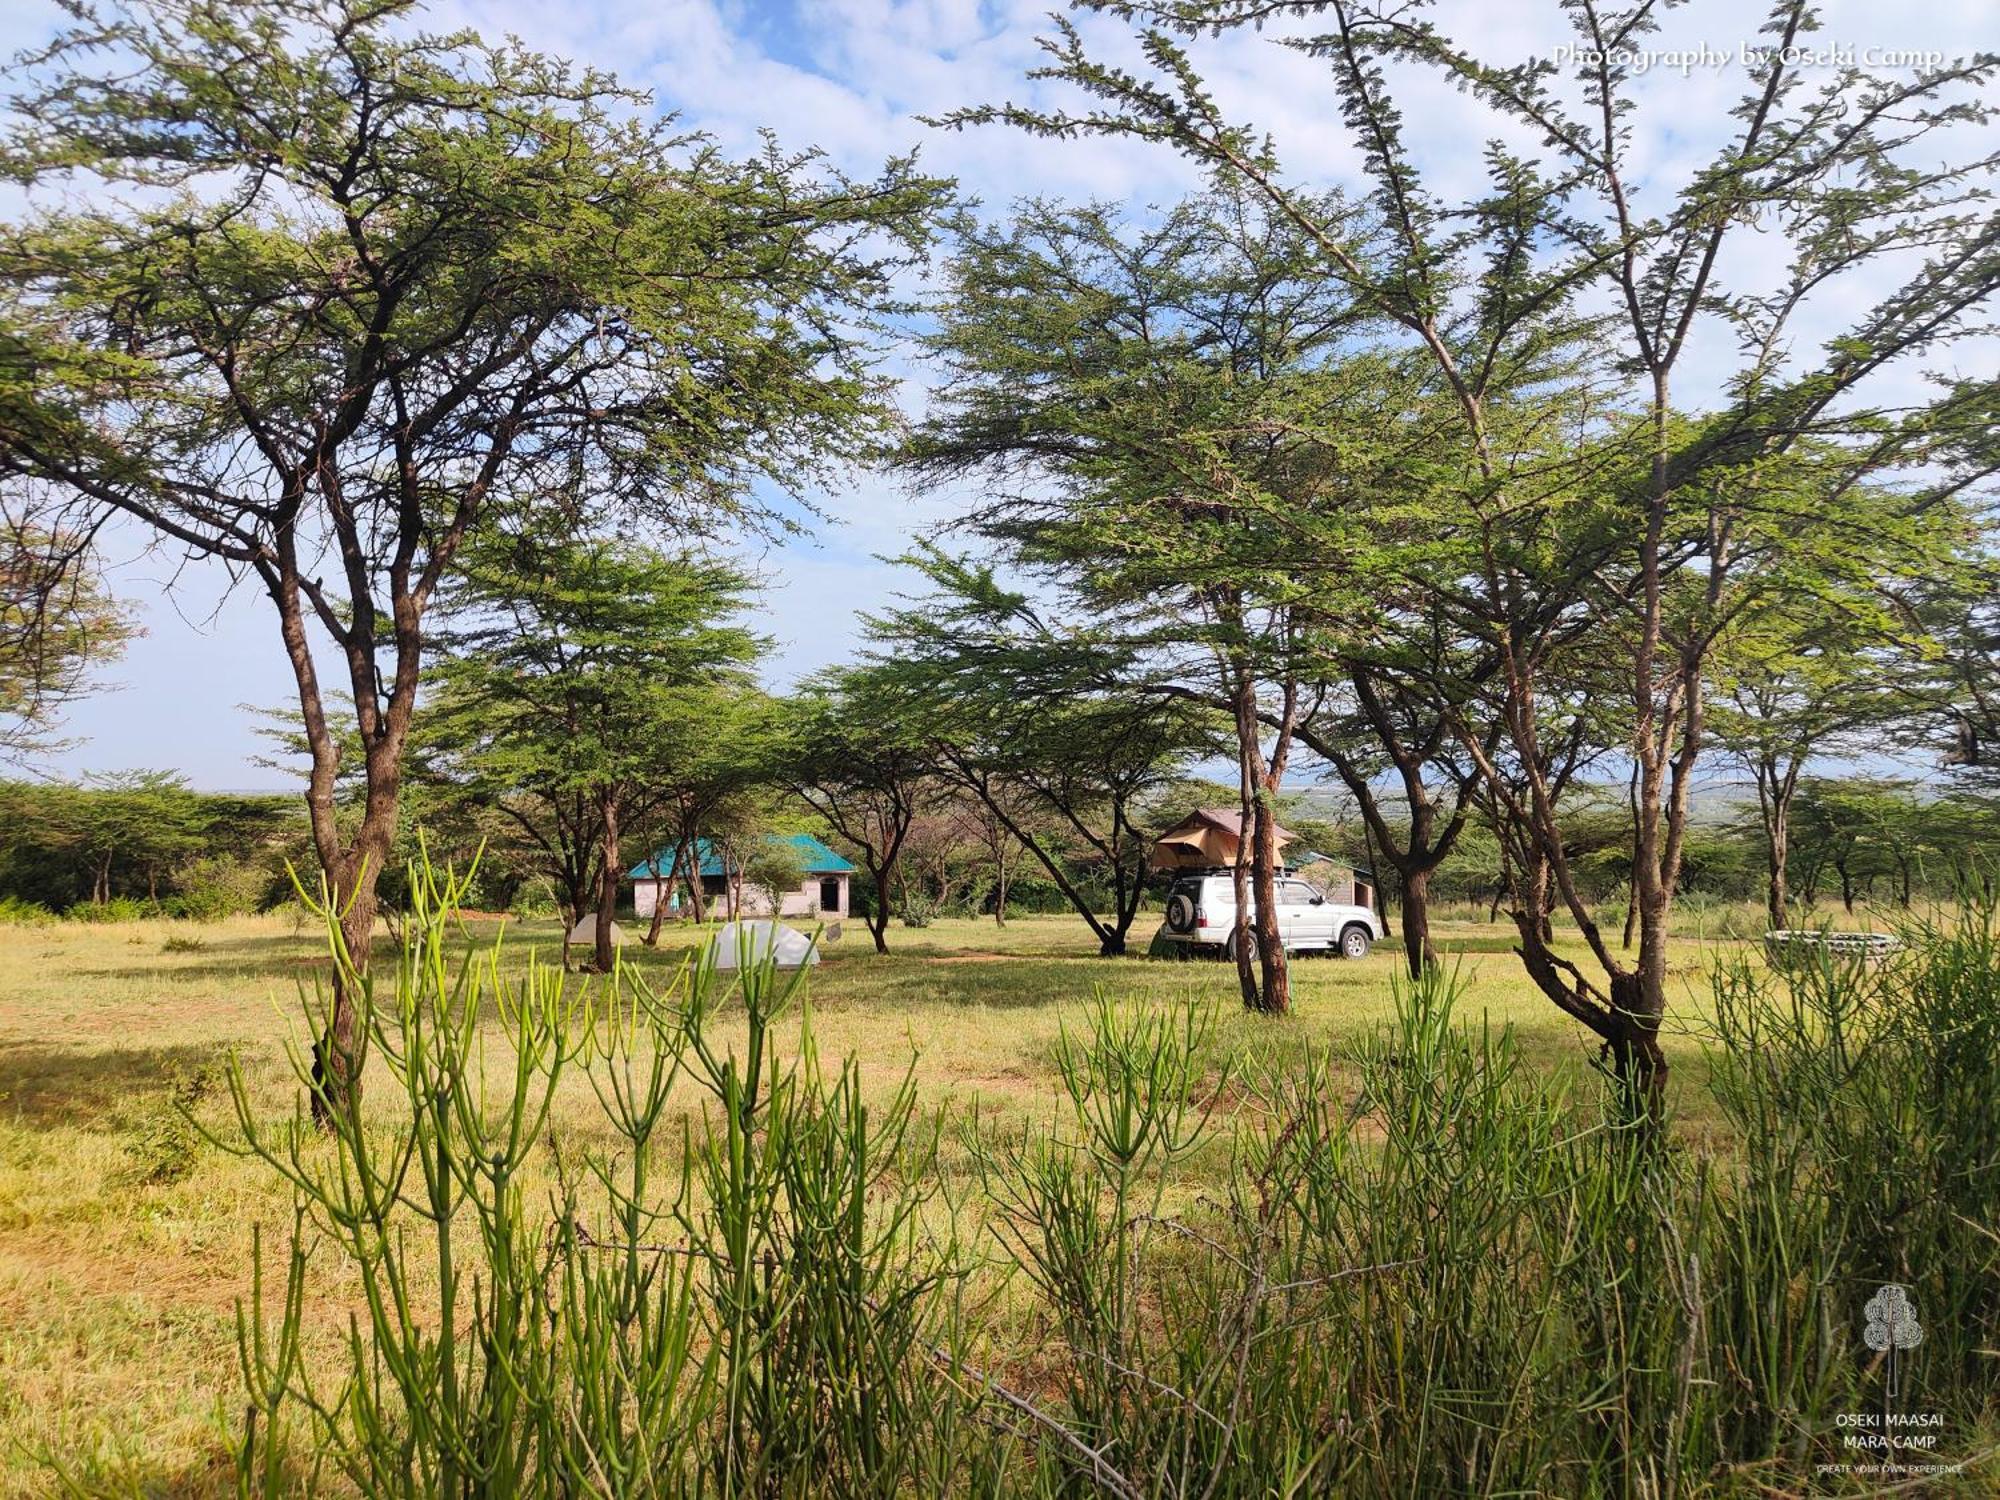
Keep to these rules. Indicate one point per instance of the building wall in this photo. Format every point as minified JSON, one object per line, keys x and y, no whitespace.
{"x":802,"y":901}
{"x":1339,"y":884}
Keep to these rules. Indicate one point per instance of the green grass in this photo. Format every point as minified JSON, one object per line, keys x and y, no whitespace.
{"x":125,"y":1239}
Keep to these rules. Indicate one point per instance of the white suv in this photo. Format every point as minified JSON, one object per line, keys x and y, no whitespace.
{"x":1201,"y":913}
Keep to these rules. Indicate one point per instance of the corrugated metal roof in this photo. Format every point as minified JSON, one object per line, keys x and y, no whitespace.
{"x":814,"y":857}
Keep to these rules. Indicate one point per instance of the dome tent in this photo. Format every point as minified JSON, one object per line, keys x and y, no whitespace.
{"x":585,"y":931}
{"x":740,"y":944}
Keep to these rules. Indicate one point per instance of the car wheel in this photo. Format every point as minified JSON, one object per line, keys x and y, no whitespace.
{"x":1354,"y":943}
{"x":1180,"y":914}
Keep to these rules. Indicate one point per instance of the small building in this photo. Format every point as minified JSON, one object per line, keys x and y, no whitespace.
{"x":821,"y":891}
{"x":1206,"y":839}
{"x":1336,"y":879}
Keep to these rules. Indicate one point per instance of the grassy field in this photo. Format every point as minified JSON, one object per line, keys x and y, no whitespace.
{"x":125,"y":1240}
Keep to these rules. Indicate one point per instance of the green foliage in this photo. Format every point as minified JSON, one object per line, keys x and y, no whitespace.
{"x":18,"y":913}
{"x":116,"y":909}
{"x":169,"y":1139}
{"x":852,"y":746}
{"x":335,"y":286}
{"x":142,"y":843}
{"x":1864,"y":1100}
{"x":587,"y":686}
{"x":57,"y":623}
{"x":1430,"y":1267}
{"x":723,"y":1303}
{"x":1048,"y":727}
{"x":1577,"y":540}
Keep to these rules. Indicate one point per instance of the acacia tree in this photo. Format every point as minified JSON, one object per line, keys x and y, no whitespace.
{"x":341,"y":287}
{"x":1794,"y":687}
{"x":708,"y":769}
{"x":1150,"y":408}
{"x":848,"y":749}
{"x":1047,"y":729}
{"x":1417,"y":825}
{"x":1560,"y":250}
{"x":573,"y":670}
{"x":57,"y":624}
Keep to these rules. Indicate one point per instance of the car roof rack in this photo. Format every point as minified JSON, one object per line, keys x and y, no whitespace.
{"x":1224,"y":870}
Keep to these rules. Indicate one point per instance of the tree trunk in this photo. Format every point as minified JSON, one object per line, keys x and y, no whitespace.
{"x":661,"y":886}
{"x":1418,"y":951}
{"x":1000,"y":893}
{"x":878,"y":909}
{"x":1239,"y":875}
{"x":1632,"y":875}
{"x":1846,"y":885}
{"x":605,"y":955}
{"x":1777,"y":898}
{"x":352,"y":884}
{"x":1276,"y":975}
{"x":697,"y":896}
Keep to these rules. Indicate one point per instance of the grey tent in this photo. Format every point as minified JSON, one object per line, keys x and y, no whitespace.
{"x":738,"y":943}
{"x":585,"y":931}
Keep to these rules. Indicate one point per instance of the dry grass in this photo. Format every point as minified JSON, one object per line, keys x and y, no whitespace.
{"x":125,"y":1241}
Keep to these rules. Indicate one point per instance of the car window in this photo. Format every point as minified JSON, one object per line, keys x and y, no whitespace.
{"x":1297,"y":890}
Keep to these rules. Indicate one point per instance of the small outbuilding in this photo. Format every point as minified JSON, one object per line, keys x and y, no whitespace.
{"x":1337,"y":880}
{"x":822,"y":891}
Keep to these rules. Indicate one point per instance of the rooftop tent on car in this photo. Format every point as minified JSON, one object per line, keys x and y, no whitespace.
{"x":1206,"y":839}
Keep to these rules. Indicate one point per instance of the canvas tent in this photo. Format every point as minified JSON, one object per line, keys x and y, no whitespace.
{"x":739,"y":943}
{"x":1206,"y":839}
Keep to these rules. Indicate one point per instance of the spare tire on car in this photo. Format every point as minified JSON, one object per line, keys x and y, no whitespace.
{"x":1180,"y":912}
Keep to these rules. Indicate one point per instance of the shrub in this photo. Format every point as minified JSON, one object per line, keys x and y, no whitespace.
{"x":164,"y":1148}
{"x":708,"y":1312}
{"x":117,"y":909}
{"x":1430,"y":1268}
{"x":216,"y":887}
{"x":18,"y":913}
{"x":180,"y":942}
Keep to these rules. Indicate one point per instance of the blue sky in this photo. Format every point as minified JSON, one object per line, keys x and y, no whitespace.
{"x":852,"y":77}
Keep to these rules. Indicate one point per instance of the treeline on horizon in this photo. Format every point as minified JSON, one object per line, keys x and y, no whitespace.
{"x":138,"y":844}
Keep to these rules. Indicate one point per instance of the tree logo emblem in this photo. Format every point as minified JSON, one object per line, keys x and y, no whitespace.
{"x":1891,"y":1326}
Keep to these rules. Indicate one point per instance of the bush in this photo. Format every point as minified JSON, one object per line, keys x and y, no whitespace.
{"x":168,"y":1138}
{"x":535,"y":899}
{"x":768,"y":1311}
{"x":117,"y":909}
{"x":1430,"y":1268}
{"x":216,"y":887}
{"x":15,"y":912}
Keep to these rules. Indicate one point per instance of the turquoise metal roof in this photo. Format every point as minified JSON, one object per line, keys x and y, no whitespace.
{"x":813,"y":855}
